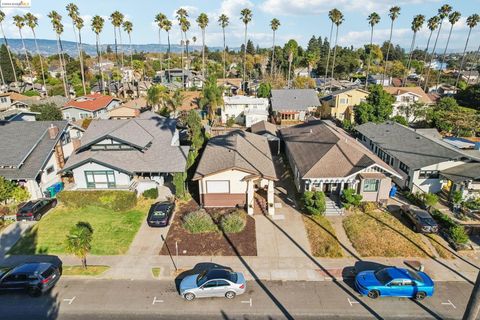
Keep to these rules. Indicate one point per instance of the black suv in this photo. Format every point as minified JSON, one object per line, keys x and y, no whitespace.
{"x":35,"y":209}
{"x":35,"y":278}
{"x":422,"y":220}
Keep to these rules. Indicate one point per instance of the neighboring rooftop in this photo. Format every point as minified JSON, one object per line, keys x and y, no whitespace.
{"x":139,"y":103}
{"x":263,"y":127}
{"x":90,"y":102}
{"x":415,"y":90}
{"x":464,"y":172}
{"x":294,"y":99}
{"x":244,"y":100}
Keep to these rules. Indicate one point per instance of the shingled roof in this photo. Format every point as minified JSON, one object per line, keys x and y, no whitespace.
{"x":294,"y":99}
{"x":90,"y":102}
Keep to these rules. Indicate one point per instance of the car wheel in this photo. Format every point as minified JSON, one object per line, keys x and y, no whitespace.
{"x":189,"y":296}
{"x":34,"y":292}
{"x":420,"y":295}
{"x":38,"y":217}
{"x":373,"y":294}
{"x":230,"y":295}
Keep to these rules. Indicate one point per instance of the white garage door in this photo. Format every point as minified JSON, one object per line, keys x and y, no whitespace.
{"x":218,"y":186}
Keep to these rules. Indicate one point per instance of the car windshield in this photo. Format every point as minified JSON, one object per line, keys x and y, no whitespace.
{"x":383,"y":276}
{"x":202,"y":277}
{"x":414,"y":275}
{"x":428,"y":221}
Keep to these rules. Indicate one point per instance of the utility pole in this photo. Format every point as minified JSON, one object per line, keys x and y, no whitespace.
{"x":473,"y":306}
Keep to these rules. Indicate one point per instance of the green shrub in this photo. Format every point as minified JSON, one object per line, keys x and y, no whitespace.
{"x":113,"y":200}
{"x":199,"y":222}
{"x":151,"y":193}
{"x":350,"y":198}
{"x":314,"y":202}
{"x":369,"y":206}
{"x":230,"y":122}
{"x":429,"y":199}
{"x":458,"y":234}
{"x":234,"y":222}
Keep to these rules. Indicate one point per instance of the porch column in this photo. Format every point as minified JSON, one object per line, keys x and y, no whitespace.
{"x":321,"y":186}
{"x":270,"y":198}
{"x":250,"y":197}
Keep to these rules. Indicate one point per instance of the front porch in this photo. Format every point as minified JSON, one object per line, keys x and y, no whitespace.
{"x":260,"y":195}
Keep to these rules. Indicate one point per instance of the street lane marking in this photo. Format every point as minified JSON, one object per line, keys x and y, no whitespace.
{"x":449,"y":303}
{"x":155,"y":300}
{"x":352,"y":302}
{"x":248,"y":301}
{"x":70,"y":300}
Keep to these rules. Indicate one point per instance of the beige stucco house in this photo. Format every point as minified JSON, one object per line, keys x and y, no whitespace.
{"x":339,"y":104}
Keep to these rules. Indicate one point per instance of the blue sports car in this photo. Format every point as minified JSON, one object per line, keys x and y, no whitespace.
{"x":394,"y":282}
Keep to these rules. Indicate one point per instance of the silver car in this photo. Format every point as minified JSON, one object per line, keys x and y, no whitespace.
{"x":213,"y":283}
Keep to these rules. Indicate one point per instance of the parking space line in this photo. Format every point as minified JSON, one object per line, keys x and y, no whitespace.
{"x":248,"y":301}
{"x":70,"y":301}
{"x":156,"y":301}
{"x":449,"y":303}
{"x":352,"y":302}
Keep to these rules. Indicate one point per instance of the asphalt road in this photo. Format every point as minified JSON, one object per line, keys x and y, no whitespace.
{"x":123,"y":299}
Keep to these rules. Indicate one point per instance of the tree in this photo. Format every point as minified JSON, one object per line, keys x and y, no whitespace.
{"x":350,"y":198}
{"x":116,"y":19}
{"x":6,"y":189}
{"x":97,"y":27}
{"x":224,"y":21}
{"x":160,"y":20}
{"x":20,"y":194}
{"x":32,"y":22}
{"x":432,"y":26}
{"x":417,"y":24}
{"x":264,"y":90}
{"x":202,"y":21}
{"x":413,"y":111}
{"x":452,"y":18}
{"x":472,"y":22}
{"x":314,"y":202}
{"x":377,"y":108}
{"x":212,"y":97}
{"x":246,"y":17}
{"x":19,"y":22}
{"x":167,"y":26}
{"x":79,"y":241}
{"x":179,"y":184}
{"x":291,"y":48}
{"x":373,"y":19}
{"x":182,"y":17}
{"x":9,"y":73}
{"x":430,"y":199}
{"x":338,"y":20}
{"x":394,"y":13}
{"x":128,"y":28}
{"x":303,"y":83}
{"x":56,"y":20}
{"x":77,"y":23}
{"x":332,"y":15}
{"x":48,"y":112}
{"x":274,"y":24}
{"x":447,"y":104}
{"x":14,"y":71}
{"x":400,"y":119}
{"x":469,"y":97}
{"x":157,"y":95}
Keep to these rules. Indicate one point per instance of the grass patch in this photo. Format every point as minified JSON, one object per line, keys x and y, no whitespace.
{"x":321,"y":236}
{"x":379,"y":234}
{"x":436,"y":242}
{"x":112,"y":231}
{"x":4,"y":224}
{"x":80,"y":271}
{"x":156,"y":272}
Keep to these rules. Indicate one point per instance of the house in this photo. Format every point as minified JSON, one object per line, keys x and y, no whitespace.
{"x":379,"y":79}
{"x":37,"y":151}
{"x":405,"y":97}
{"x":18,"y":114}
{"x":187,"y":78}
{"x":236,"y":169}
{"x":12,"y":100}
{"x":123,"y":112}
{"x":135,"y":154}
{"x":324,"y":158}
{"x":293,"y":104}
{"x":443,"y":89}
{"x":245,"y":110}
{"x":419,"y":158}
{"x":470,"y":77}
{"x":57,"y":101}
{"x":105,"y":65}
{"x":55,"y":72}
{"x":302,"y":72}
{"x":269,"y":131}
{"x":339,"y":104}
{"x":231,"y":85}
{"x":89,"y":106}
{"x":464,"y":178}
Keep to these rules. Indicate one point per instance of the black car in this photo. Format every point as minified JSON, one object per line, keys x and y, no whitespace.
{"x":422,"y":220}
{"x":160,"y":213}
{"x":35,"y":209}
{"x":35,"y":278}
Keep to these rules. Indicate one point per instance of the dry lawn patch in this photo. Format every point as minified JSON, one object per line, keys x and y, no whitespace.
{"x":322,"y":238}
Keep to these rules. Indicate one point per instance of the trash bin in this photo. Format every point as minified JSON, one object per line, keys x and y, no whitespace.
{"x":393,"y":191}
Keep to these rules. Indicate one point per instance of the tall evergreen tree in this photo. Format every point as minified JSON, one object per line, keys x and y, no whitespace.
{"x":394,"y":13}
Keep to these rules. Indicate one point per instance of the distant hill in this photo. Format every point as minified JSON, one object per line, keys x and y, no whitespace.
{"x":49,"y":47}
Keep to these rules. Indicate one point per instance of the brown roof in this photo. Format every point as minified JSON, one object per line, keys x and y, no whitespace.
{"x":191,"y":100}
{"x":124,"y":112}
{"x":416,"y":90}
{"x":262,"y":127}
{"x":90,"y":102}
{"x":18,"y":97}
{"x":138,"y":103}
{"x":230,"y":81}
{"x":239,"y":150}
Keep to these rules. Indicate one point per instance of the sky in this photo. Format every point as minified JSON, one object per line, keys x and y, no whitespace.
{"x":300,"y":19}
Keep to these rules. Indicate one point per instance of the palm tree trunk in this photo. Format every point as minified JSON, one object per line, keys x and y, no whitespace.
{"x":131,"y":50}
{"x":3,"y":79}
{"x":328,"y":55}
{"x":160,"y":47}
{"x":425,"y":56}
{"x":61,"y":67}
{"x":203,"y":53}
{"x":9,"y":55}
{"x":273,"y":56}
{"x":224,"y":58}
{"x":476,"y":64}
{"x":187,"y":52}
{"x":444,"y":54}
{"x":334,"y":52}
{"x":431,"y":57}
{"x":409,"y":60}
{"x":84,"y":262}
{"x":369,"y":58}
{"x":41,"y":62}
{"x":121,"y":46}
{"x":116,"y":48}
{"x":388,"y":52}
{"x":183,"y":49}
{"x":80,"y":56}
{"x":26,"y":56}
{"x":64,"y":62}
{"x":245,"y":55}
{"x":168,"y":64}
{"x":463,"y":57}
{"x":99,"y":59}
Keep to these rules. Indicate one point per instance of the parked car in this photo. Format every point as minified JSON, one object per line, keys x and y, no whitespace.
{"x":160,"y":214}
{"x":35,"y":278}
{"x":394,"y":282}
{"x":35,"y":209}
{"x":213,"y":283}
{"x":422,"y":220}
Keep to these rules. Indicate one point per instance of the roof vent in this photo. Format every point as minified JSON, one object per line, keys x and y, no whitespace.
{"x":418,"y":138}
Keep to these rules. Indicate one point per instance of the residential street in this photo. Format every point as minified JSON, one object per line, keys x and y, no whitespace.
{"x":123,"y":299}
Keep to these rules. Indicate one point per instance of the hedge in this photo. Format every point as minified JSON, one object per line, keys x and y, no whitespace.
{"x":234,"y":222}
{"x":452,"y":229}
{"x":151,"y":193}
{"x":108,"y":199}
{"x":314,"y":202}
{"x":199,"y":221}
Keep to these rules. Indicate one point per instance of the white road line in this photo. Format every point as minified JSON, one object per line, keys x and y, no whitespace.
{"x":155,"y":300}
{"x":69,"y":300}
{"x":248,"y":301}
{"x":449,"y":303}
{"x":351,"y":302}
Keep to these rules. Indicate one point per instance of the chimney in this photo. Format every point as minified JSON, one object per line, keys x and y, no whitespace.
{"x":76,"y":144}
{"x":53,"y":131}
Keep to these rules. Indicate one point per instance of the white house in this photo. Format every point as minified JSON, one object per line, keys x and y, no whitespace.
{"x":406,"y":97}
{"x":379,"y":79}
{"x":89,"y":106}
{"x":245,"y":110}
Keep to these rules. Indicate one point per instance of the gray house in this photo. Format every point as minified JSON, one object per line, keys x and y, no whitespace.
{"x":293,"y":104}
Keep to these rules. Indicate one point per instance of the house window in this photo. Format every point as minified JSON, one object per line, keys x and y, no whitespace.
{"x":100,"y":179}
{"x":428,"y":174}
{"x":50,"y":169}
{"x":3,"y":100}
{"x":343,"y":100}
{"x":83,"y":115}
{"x":218,"y":186}
{"x":370,"y":185}
{"x":403,"y":167}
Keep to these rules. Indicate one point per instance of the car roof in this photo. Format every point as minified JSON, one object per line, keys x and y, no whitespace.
{"x":401,"y":273}
{"x":421,"y":213}
{"x":30,"y":204}
{"x":218,"y":274}
{"x":32,"y":267}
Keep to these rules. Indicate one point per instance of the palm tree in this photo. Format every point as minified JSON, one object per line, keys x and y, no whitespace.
{"x":373,"y":19}
{"x":97,"y":27}
{"x":452,"y":18}
{"x":417,"y":24}
{"x":394,"y":13}
{"x":337,"y":19}
{"x":2,"y":17}
{"x":128,"y":28}
{"x":291,"y":48}
{"x":79,"y":241}
{"x":331,"y":15}
{"x":246,"y":18}
{"x":472,"y":22}
{"x":442,"y":14}
{"x":432,"y":26}
{"x":159,"y":18}
{"x":182,"y":16}
{"x":117,"y":19}
{"x":202,"y":21}
{"x":167,"y":26}
{"x":274,"y":24}
{"x":77,"y":22}
{"x":224,"y":21}
{"x":57,"y":25}
{"x":19,"y":22}
{"x":32,"y":22}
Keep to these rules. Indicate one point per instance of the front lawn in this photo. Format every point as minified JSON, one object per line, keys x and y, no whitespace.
{"x":441,"y":246}
{"x":380,"y":234}
{"x":321,"y":236}
{"x":112,"y":231}
{"x":80,"y":271}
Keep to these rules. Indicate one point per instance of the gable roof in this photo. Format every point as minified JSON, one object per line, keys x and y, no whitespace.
{"x":236,"y":82}
{"x":239,"y":150}
{"x":262,"y":127}
{"x":321,"y":151}
{"x":395,"y":91}
{"x":410,"y":147}
{"x":90,"y":102}
{"x":336,"y":93}
{"x":294,"y":99}
{"x":463,"y":172}
{"x":138,"y":103}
